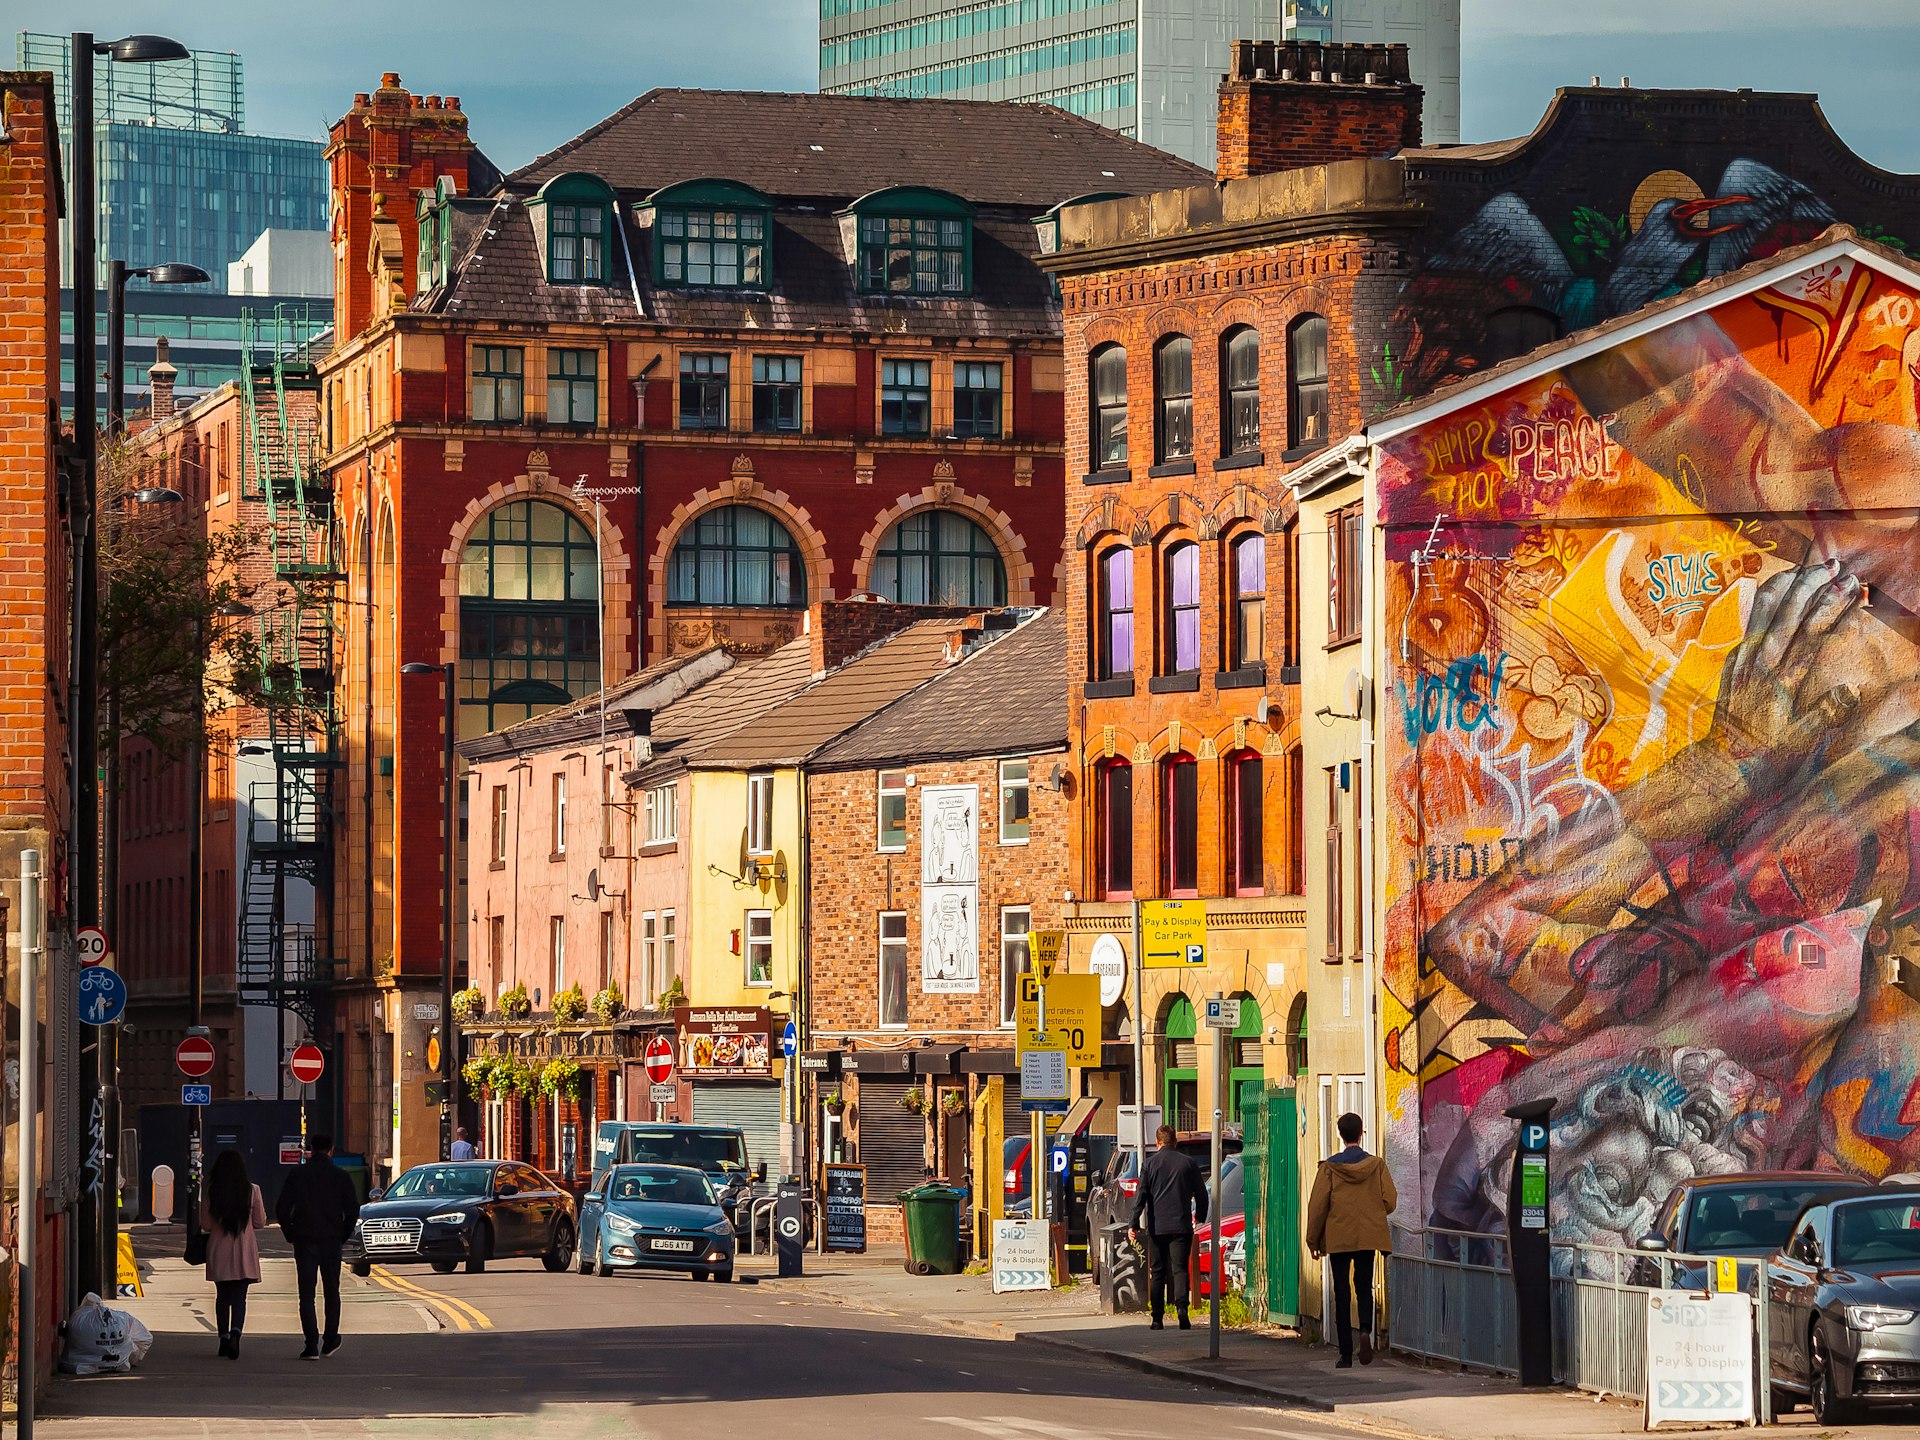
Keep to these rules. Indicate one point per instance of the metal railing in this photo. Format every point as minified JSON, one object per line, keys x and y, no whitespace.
{"x":1450,"y":1297}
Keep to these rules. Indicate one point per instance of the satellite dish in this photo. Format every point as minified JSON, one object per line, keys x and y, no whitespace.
{"x":1262,"y":708}
{"x":593,"y":883}
{"x":1356,"y":692}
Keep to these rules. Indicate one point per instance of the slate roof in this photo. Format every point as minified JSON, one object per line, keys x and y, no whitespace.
{"x":842,"y":146}
{"x":564,"y":724}
{"x":736,"y":698}
{"x":1008,"y":698}
{"x":497,"y":276}
{"x":791,"y":732}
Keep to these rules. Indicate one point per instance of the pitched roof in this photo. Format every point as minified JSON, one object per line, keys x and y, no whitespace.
{"x":790,"y":732}
{"x":1008,"y":698}
{"x":1831,"y":243}
{"x":842,"y":146}
{"x":737,"y":698}
{"x":658,"y":684}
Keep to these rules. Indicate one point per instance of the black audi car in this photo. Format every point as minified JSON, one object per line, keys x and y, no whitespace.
{"x":451,"y":1213}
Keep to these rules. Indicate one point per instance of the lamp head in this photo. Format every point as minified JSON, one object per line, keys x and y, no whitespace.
{"x":142,"y":49}
{"x":159,"y":495}
{"x":419,"y":667}
{"x":174,"y":273}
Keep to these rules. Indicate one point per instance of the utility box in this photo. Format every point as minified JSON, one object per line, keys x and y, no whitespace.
{"x":790,"y":1226}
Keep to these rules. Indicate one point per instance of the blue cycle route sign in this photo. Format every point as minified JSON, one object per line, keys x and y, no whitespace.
{"x":103,"y":996}
{"x":196,"y":1094}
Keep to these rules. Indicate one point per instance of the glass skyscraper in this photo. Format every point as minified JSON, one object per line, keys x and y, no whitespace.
{"x":181,"y":181}
{"x":1147,"y":68}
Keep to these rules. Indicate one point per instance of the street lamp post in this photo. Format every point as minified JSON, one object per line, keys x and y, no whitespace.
{"x":84,"y":681}
{"x":118,"y":274}
{"x":449,"y":1071}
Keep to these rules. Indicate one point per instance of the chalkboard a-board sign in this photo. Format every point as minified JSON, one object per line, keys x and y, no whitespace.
{"x":846,"y":1187}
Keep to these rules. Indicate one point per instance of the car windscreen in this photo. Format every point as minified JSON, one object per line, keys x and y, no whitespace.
{"x":1233,"y":1187}
{"x":428,"y":1180}
{"x":1875,"y":1232}
{"x":660,"y":1186}
{"x":1746,"y":1217}
{"x":718,"y":1152}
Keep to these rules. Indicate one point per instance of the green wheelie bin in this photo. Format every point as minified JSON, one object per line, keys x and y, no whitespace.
{"x":932,"y":1215}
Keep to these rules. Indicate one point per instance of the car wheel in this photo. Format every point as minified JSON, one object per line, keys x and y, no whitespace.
{"x":1785,"y":1402}
{"x":363,"y":1268}
{"x":1828,"y":1407}
{"x":585,"y":1261}
{"x":479,"y":1248}
{"x":560,"y":1253}
{"x":445,"y":1267}
{"x":601,"y":1266}
{"x":697,"y":1275}
{"x":724,"y":1275}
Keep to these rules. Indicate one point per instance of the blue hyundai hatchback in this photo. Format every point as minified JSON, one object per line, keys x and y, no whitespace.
{"x":655,"y":1217}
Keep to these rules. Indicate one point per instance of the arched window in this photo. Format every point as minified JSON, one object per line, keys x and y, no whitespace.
{"x":1113,"y":824}
{"x":1247,"y":565}
{"x":1307,"y":382}
{"x":939,"y":557}
{"x":1182,"y":640}
{"x":529,"y":615}
{"x":1180,"y":821}
{"x":1240,"y":391}
{"x":1297,"y":1057}
{"x":736,"y":555}
{"x":1109,"y":387}
{"x":1518,"y":329}
{"x":1173,"y":400}
{"x":1246,"y":823}
{"x":1113,"y":645}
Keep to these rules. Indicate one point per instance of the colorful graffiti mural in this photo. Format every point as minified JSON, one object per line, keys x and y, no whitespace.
{"x":1655,"y":758}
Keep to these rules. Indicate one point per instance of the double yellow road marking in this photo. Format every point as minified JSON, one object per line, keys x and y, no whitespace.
{"x":459,"y":1312}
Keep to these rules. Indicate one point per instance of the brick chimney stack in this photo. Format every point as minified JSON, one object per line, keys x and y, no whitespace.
{"x":160,"y":377}
{"x":837,"y":630}
{"x":1292,"y":103}
{"x":392,"y":143}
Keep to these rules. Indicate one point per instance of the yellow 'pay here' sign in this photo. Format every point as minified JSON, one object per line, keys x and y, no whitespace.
{"x":1073,"y":1017}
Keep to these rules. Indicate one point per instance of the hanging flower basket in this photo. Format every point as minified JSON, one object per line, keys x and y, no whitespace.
{"x":609,"y":1005}
{"x":561,"y":1078}
{"x":836,"y":1103}
{"x":915,"y":1100}
{"x":516,"y":1004}
{"x":569,"y":1006}
{"x":469,"y":1005}
{"x":478,"y":1073}
{"x":952,"y":1102}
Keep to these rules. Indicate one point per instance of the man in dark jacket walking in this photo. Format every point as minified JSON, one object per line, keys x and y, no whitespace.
{"x":317,"y":1210}
{"x":1172,"y":1199}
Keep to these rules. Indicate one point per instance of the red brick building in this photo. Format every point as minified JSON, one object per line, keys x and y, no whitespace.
{"x":911,"y":982}
{"x":797,"y":343}
{"x":34,"y":762}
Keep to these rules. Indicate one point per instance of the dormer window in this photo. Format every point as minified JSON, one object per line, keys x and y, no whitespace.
{"x":913,"y":241}
{"x":574,"y":218}
{"x":711,"y":233}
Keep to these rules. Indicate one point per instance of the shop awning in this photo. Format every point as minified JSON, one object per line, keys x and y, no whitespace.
{"x":877,"y":1062}
{"x":937,"y":1059}
{"x":1001,"y":1061}
{"x":821,"y":1062}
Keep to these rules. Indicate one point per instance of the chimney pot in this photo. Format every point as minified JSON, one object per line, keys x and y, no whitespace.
{"x":361,"y":98}
{"x":1625,"y":83}
{"x":1596,"y":82}
{"x":1286,"y":74}
{"x":1260,"y":72}
{"x":390,"y":80}
{"x":1370,"y":77}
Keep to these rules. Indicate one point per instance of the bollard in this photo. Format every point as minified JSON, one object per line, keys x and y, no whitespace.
{"x":163,"y":1193}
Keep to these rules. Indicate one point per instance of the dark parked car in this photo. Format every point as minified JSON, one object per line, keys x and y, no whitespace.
{"x":1112,"y":1194}
{"x":655,"y":1217}
{"x":1747,"y":1215}
{"x":465,"y":1212}
{"x":1843,"y":1313}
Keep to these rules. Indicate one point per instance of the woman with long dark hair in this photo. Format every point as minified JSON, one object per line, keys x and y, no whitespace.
{"x":230,"y":1214}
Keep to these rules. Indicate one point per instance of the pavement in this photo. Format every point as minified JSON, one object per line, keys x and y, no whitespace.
{"x":1268,"y":1364}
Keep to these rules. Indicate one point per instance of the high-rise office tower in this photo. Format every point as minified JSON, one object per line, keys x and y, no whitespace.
{"x":1147,"y":68}
{"x":181,"y":181}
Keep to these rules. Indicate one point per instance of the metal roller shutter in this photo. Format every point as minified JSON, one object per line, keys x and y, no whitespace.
{"x":1013,"y":1120}
{"x":892,"y":1139}
{"x":754,"y":1108}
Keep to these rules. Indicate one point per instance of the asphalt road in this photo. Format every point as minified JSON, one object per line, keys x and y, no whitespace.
{"x":525,"y":1353}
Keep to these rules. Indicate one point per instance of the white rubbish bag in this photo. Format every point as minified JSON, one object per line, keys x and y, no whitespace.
{"x":104,"y":1341}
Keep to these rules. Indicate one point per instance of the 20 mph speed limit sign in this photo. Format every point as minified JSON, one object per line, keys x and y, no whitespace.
{"x":1072,"y":1017}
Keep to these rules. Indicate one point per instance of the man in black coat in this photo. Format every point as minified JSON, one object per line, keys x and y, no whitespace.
{"x":317,"y":1210}
{"x":1171,"y":1200}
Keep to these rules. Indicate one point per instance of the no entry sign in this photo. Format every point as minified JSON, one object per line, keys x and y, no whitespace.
{"x":194,"y":1056}
{"x":306,"y":1063}
{"x":659,"y":1058}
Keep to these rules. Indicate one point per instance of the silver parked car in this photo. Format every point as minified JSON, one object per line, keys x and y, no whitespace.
{"x":1844,"y":1305}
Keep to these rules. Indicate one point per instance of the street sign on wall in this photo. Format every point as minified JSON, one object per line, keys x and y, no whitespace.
{"x":1173,"y":933}
{"x":1223,"y":1014}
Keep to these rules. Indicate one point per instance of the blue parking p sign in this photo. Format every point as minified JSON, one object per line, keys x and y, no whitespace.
{"x":196,"y":1094}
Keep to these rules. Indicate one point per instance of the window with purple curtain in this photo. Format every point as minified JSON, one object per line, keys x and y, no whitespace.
{"x":1249,"y":599}
{"x":1116,"y":613}
{"x":1183,"y":608}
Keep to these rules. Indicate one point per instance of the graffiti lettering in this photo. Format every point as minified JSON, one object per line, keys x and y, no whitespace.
{"x":1562,"y":449}
{"x":1460,"y":448}
{"x":1462,"y":861}
{"x":1679,"y":583}
{"x":1461,"y":698}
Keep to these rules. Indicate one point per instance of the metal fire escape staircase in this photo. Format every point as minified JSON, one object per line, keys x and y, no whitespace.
{"x":289,"y":835}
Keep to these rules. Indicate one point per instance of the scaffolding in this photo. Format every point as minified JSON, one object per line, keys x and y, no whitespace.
{"x":289,"y":819}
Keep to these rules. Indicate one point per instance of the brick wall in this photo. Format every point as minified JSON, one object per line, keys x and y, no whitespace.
{"x":1296,"y":103}
{"x":840,"y":629}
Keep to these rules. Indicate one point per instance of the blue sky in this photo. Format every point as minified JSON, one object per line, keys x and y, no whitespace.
{"x":530,"y":76}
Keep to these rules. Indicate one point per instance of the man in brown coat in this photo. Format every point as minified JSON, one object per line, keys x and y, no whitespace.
{"x":1347,"y":1217}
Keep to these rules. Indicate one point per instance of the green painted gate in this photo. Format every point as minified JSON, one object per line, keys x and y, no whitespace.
{"x":1271,"y":1155}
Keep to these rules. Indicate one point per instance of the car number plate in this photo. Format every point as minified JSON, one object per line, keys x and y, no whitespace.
{"x":678,"y":1245}
{"x":387,"y":1240}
